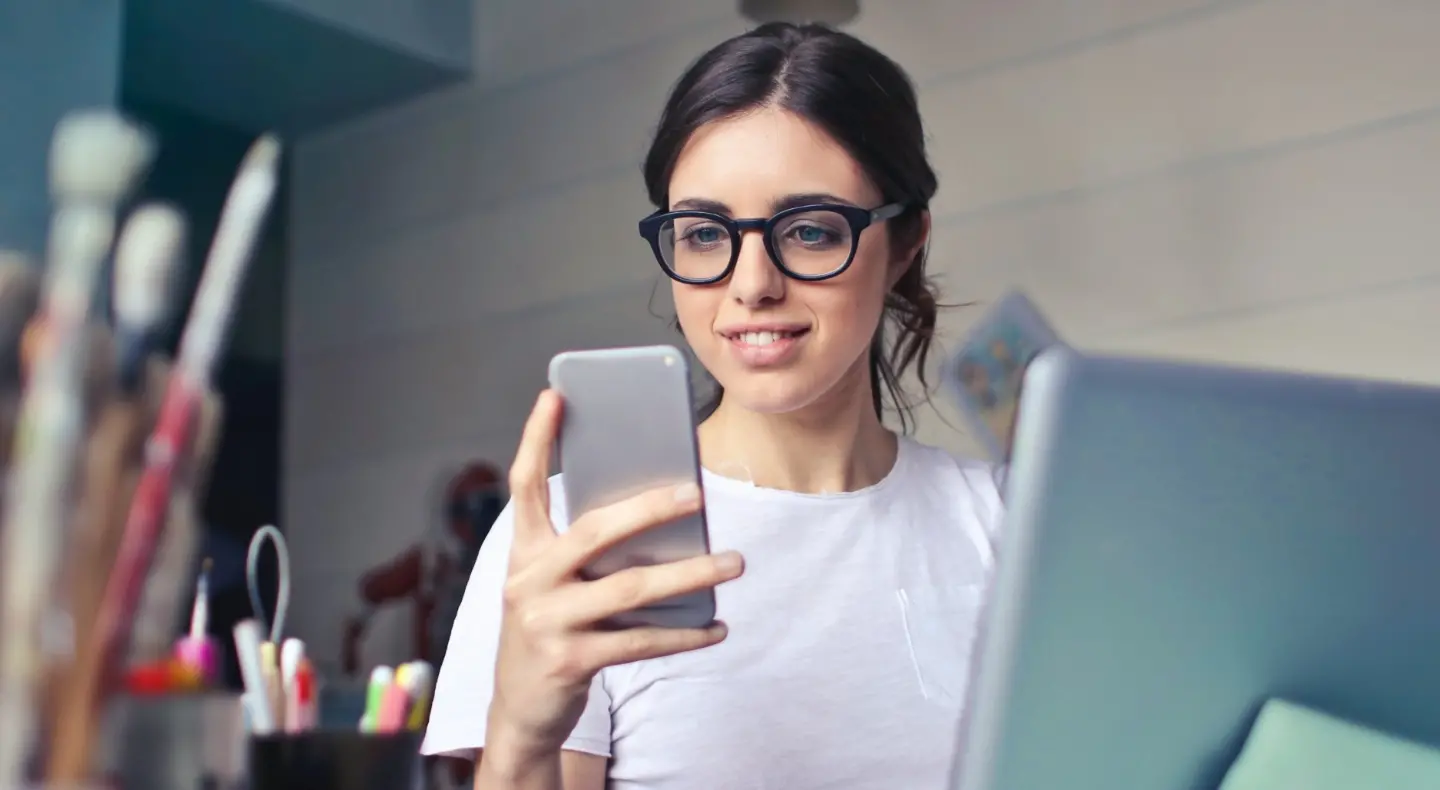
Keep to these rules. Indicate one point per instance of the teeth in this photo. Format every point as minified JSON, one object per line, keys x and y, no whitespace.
{"x":762,"y":338}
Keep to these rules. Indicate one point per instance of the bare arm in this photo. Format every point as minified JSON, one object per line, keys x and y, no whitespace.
{"x":566,"y":771}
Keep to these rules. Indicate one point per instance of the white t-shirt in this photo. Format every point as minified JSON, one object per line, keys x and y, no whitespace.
{"x":848,"y":648}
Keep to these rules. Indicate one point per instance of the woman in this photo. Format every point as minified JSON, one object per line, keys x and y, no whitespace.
{"x":844,"y":653}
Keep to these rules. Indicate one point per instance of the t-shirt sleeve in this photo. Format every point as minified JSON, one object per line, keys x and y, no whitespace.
{"x":467,"y":675}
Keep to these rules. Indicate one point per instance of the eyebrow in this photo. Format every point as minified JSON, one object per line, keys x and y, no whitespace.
{"x":788,"y":201}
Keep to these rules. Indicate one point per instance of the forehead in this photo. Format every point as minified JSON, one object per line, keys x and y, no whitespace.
{"x":749,"y":161}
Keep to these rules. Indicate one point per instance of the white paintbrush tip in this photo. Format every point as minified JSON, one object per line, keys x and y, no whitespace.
{"x":80,"y":237}
{"x":145,"y":260}
{"x":264,"y":154}
{"x":292,"y":651}
{"x":97,"y":155}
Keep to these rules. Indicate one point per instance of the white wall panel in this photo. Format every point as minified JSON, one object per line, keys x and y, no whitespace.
{"x":443,"y":388}
{"x":1384,"y":333}
{"x":430,"y":164}
{"x":1259,"y":75}
{"x":1298,"y":222}
{"x":542,"y":249}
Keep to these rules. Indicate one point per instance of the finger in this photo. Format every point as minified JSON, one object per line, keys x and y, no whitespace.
{"x":530,"y":473}
{"x":585,"y":604}
{"x":602,"y":528}
{"x":612,"y":648}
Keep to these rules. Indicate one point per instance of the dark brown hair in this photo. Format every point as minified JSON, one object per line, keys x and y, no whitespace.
{"x":863,"y":100}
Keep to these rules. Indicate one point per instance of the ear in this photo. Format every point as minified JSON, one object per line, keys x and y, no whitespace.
{"x":904,"y":257}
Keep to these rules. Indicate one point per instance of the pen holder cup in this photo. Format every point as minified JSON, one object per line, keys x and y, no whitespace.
{"x":337,"y":760}
{"x":175,"y":742}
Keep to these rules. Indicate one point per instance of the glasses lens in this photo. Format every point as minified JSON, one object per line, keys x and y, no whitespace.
{"x":813,"y":243}
{"x":695,"y":248}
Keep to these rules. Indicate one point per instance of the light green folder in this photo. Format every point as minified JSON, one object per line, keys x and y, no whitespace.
{"x":1294,"y":747}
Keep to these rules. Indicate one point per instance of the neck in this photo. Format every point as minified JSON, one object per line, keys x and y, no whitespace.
{"x":835,"y":444}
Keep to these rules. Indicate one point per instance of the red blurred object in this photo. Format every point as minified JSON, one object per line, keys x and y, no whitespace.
{"x":148,"y":680}
{"x":431,"y":575}
{"x":305,"y":693}
{"x":163,"y":677}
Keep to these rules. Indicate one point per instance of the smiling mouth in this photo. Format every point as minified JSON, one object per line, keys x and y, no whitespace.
{"x":765,"y":338}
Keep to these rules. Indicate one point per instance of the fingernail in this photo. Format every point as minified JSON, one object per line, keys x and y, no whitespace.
{"x":719,"y":630}
{"x":729,"y":562}
{"x":688,"y":493}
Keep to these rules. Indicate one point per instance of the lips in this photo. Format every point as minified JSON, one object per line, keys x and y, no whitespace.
{"x":765,"y":346}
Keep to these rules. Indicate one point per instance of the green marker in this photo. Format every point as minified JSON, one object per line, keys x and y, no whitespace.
{"x":380,"y":679}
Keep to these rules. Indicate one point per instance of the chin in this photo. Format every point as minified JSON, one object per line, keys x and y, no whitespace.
{"x":817,"y":373}
{"x":771,"y":393}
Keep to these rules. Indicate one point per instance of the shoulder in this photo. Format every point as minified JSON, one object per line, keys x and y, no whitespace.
{"x":974,"y":481}
{"x":931,"y":460}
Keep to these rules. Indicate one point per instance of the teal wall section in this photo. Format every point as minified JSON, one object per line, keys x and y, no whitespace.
{"x":293,"y":66}
{"x":55,"y":55}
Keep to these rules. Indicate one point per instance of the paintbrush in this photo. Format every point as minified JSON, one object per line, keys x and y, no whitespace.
{"x":170,"y":442}
{"x":201,"y":346}
{"x":146,"y":256}
{"x":146,"y":259}
{"x":95,"y":159}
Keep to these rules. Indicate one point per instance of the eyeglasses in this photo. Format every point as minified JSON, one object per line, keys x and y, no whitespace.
{"x":810,"y":243}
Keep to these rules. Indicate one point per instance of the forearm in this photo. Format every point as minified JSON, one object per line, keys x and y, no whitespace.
{"x":504,"y":766}
{"x":497,"y":772}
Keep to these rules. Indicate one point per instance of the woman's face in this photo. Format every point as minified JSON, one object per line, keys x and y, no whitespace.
{"x":776,"y":344}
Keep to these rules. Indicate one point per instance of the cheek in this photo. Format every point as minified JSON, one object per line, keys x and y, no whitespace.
{"x":695,"y":308}
{"x":867,"y":281}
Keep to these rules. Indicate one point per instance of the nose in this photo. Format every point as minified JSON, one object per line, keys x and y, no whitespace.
{"x":756,"y":280}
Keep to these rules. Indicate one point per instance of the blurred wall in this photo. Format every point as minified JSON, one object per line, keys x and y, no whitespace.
{"x":1222,"y":179}
{"x":55,"y":55}
{"x":427,"y":27}
{"x":196,"y":161}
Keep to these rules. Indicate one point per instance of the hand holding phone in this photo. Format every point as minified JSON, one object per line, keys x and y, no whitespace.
{"x":555,"y":633}
{"x":629,"y":426}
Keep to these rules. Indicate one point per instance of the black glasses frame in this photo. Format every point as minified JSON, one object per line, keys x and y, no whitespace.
{"x":858,"y":218}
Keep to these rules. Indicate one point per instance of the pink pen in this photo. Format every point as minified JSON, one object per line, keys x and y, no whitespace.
{"x":393,"y":708}
{"x":197,"y":651}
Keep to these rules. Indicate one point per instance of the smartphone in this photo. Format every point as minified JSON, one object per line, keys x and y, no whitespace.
{"x":629,"y":426}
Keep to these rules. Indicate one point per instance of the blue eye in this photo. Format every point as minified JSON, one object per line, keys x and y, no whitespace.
{"x":706,"y":235}
{"x":811,"y":235}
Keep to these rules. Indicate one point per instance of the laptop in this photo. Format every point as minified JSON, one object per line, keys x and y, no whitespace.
{"x":1184,"y":542}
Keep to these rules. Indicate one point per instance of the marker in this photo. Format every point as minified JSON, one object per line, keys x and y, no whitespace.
{"x":395,"y":704}
{"x":306,"y":695}
{"x":292,"y":653}
{"x":422,"y":688}
{"x":257,"y":698}
{"x":274,"y":689}
{"x":380,"y":679}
